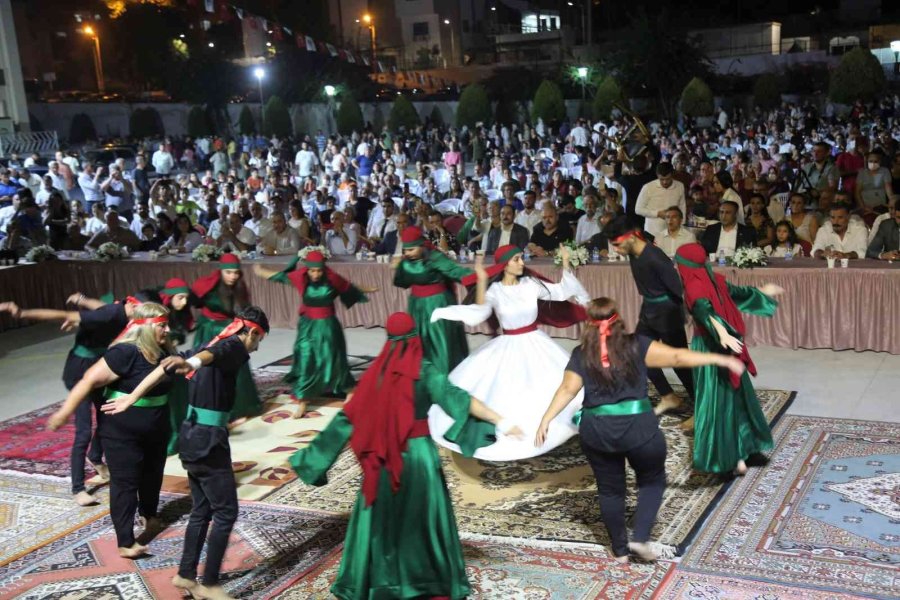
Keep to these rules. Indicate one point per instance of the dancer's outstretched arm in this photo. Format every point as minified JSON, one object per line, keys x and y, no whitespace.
{"x":565,"y":393}
{"x":99,"y":375}
{"x":661,"y":356}
{"x":480,"y":410}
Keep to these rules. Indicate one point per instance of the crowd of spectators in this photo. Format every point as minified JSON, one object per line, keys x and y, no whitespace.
{"x":787,"y":181}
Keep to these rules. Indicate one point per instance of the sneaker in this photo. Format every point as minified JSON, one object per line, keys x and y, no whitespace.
{"x":82,"y":498}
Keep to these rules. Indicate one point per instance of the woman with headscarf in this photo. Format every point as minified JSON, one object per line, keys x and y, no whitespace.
{"x":221,"y":296}
{"x":729,"y":424}
{"x":617,"y":422}
{"x":320,"y":350}
{"x":134,"y":441}
{"x":515,"y":373}
{"x":401,"y":540}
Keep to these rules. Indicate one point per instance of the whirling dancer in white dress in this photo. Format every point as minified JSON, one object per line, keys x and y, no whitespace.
{"x":515,"y":373}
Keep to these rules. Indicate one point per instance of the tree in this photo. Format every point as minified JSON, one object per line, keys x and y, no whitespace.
{"x":277,"y":119}
{"x":473,"y":106}
{"x":654,"y":59}
{"x":146,"y":122}
{"x":349,"y":116}
{"x":608,"y":94}
{"x":697,"y":99}
{"x":246,"y":122}
{"x":197,"y":122}
{"x":403,"y":114}
{"x":859,"y":76}
{"x":377,"y":118}
{"x":436,"y":118}
{"x":766,"y":93}
{"x":82,"y":129}
{"x":548,"y":103}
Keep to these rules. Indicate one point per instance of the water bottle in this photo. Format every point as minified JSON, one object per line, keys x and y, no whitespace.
{"x":721,"y":257}
{"x":789,"y":252}
{"x":462,"y":254}
{"x":365,"y":253}
{"x":595,"y":256}
{"x":526,"y":254}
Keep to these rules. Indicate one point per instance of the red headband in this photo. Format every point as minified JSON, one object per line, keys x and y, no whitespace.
{"x":634,"y":232}
{"x":604,"y":325}
{"x":139,"y":322}
{"x":231,"y":329}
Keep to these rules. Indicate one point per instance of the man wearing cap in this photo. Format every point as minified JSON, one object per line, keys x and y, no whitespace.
{"x":429,"y":275}
{"x":662,"y":312}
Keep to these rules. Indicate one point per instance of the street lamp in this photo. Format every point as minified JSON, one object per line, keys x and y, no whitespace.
{"x":370,"y":23}
{"x":330,"y":91}
{"x":895,"y":46}
{"x":98,"y":60}
{"x":259,"y":73}
{"x":582,"y":75}
{"x":452,"y":43}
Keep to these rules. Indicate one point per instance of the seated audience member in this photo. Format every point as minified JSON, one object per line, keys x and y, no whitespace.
{"x":150,"y":241}
{"x":589,"y":223}
{"x":804,"y":222}
{"x":115,"y":232}
{"x":549,"y":233}
{"x":568,"y":212}
{"x":529,"y":216}
{"x":235,"y":237}
{"x":873,"y":190}
{"x":281,"y":240}
{"x":758,"y":218}
{"x":786,"y":242}
{"x":886,"y":243}
{"x":727,"y":235}
{"x":15,"y":241}
{"x":675,"y":236}
{"x":185,"y":238}
{"x":389,"y":244}
{"x":509,"y":232}
{"x":843,"y":239}
{"x":340,"y":240}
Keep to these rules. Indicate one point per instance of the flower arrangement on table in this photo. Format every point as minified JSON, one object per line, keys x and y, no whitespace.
{"x":304,"y":251}
{"x":206,"y":253}
{"x":748,"y":257}
{"x":40,"y":254}
{"x":578,"y":255}
{"x":110,"y":251}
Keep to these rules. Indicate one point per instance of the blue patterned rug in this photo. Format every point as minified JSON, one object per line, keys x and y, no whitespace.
{"x":824,"y":514}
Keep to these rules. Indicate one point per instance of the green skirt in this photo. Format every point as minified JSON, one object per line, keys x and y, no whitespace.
{"x":178,"y":403}
{"x":406,"y":544}
{"x":443,"y":342}
{"x":320,"y":359}
{"x":729,"y":424}
{"x":246,"y":400}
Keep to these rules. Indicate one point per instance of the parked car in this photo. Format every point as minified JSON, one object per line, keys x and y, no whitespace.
{"x":107,"y":154}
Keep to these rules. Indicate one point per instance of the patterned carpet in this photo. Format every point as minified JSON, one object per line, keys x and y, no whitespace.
{"x":684,"y":585}
{"x":548,"y":497}
{"x":270,"y":547}
{"x":510,"y":568}
{"x":28,"y":447}
{"x":824,"y":514}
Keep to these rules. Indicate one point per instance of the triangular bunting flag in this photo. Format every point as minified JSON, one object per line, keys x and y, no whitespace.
{"x":349,"y":56}
{"x":210,"y":5}
{"x":240,"y":13}
{"x":310,"y":44}
{"x":331,"y":50}
{"x":365,"y":60}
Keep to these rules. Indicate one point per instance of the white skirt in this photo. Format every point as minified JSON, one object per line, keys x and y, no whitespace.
{"x":517,"y":376}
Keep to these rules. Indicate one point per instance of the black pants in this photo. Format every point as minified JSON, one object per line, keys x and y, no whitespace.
{"x":214,"y":494}
{"x":649,"y":463}
{"x":86,"y":444}
{"x":666,"y":324}
{"x":135,"y":442}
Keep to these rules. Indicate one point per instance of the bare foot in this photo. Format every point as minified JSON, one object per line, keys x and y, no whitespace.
{"x":182,"y":583}
{"x":237,"y":422}
{"x":301,"y":410}
{"x":102,"y":472}
{"x":687,"y":425}
{"x":82,"y":498}
{"x":135,"y":551}
{"x":211,"y":592}
{"x":651,"y":551}
{"x":741,"y":468}
{"x":667,"y":403}
{"x":622,"y":559}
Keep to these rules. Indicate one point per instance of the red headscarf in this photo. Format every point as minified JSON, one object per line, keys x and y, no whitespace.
{"x":382,"y":409}
{"x":206,"y":284}
{"x":173,"y":287}
{"x":700,"y":283}
{"x":550,"y":312}
{"x":316,"y":259}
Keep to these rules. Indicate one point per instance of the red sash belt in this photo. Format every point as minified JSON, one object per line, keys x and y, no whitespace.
{"x":215,"y":316}
{"x":317,"y":312}
{"x":431,"y":289}
{"x":420,"y":429}
{"x":521,"y":330}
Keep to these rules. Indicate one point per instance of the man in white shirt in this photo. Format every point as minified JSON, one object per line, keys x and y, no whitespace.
{"x":59,"y":180}
{"x":281,"y":240}
{"x":484,"y":182}
{"x":305,"y":160}
{"x":236,"y":237}
{"x":657,"y":196}
{"x":844,"y":240}
{"x":8,"y":212}
{"x":43,"y":195}
{"x":589,"y":222}
{"x":163,"y":161}
{"x":579,"y":135}
{"x":118,"y":192}
{"x":340,"y":240}
{"x":675,"y":236}
{"x":89,"y":182}
{"x":258,"y":224}
{"x":383,"y":221}
{"x":215,"y":227}
{"x":529,"y":216}
{"x":140,"y":219}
